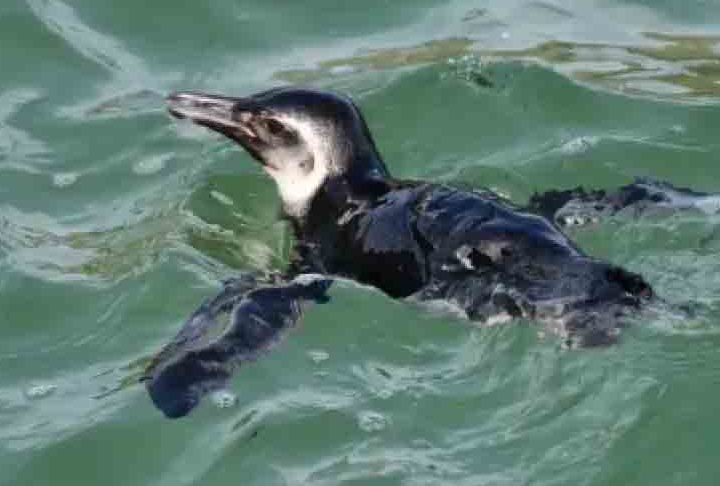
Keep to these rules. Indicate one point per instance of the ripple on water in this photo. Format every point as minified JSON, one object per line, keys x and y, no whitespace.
{"x":151,"y":165}
{"x":19,"y":148}
{"x":57,"y":409}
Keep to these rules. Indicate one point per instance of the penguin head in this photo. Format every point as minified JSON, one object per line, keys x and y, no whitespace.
{"x":301,"y":137}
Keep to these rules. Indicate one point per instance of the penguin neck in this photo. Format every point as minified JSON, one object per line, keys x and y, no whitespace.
{"x":340,"y":194}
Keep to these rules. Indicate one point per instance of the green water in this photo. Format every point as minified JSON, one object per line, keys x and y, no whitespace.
{"x":115,"y":222}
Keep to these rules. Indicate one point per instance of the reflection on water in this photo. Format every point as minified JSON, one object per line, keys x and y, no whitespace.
{"x":679,"y":66}
{"x":427,"y":52}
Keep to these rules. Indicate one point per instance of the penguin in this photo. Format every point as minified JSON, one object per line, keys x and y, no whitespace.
{"x":415,"y":240}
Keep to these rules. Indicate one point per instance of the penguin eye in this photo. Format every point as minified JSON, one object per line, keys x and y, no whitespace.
{"x":274,"y":126}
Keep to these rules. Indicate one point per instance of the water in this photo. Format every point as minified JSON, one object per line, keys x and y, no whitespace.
{"x":115,"y":222}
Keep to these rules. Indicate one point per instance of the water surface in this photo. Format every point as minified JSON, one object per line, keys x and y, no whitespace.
{"x":115,"y":222}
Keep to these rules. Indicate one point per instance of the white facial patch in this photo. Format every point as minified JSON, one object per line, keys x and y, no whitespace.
{"x":296,"y":185}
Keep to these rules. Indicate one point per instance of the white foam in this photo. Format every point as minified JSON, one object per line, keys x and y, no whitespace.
{"x":223,"y":398}
{"x":151,"y":165}
{"x":318,"y":355}
{"x":37,"y":392}
{"x":64,"y":179}
{"x":343,"y":69}
{"x":579,"y":145}
{"x":370,"y":421}
{"x":308,"y":278}
{"x":709,"y":204}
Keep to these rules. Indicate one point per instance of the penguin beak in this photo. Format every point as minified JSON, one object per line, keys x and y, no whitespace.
{"x":223,"y":114}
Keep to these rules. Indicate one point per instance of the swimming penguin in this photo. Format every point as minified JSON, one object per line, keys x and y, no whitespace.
{"x":417,"y":240}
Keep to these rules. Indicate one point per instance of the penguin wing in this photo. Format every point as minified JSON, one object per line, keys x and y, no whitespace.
{"x":204,"y":353}
{"x":579,"y":206}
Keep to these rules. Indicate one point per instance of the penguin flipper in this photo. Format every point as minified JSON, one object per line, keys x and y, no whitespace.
{"x":580,"y":206}
{"x":199,"y":360}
